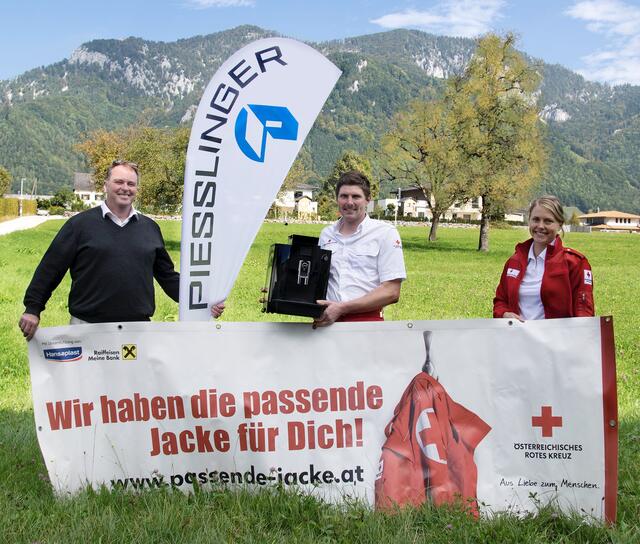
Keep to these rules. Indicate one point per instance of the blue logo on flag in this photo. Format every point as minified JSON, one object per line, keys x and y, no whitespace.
{"x":63,"y":354}
{"x":255,"y":122}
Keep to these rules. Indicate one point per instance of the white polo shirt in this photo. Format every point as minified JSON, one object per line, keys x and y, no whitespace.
{"x":362,"y":261}
{"x":529,"y":295}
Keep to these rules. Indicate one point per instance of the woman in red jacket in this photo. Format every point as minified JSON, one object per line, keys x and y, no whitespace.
{"x":543,"y":279}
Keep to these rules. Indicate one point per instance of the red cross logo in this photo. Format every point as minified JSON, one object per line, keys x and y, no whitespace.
{"x":546,"y":421}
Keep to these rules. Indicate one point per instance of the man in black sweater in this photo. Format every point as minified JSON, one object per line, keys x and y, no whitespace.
{"x":113,"y":253}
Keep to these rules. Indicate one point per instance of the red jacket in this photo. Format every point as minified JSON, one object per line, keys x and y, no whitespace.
{"x":567,"y":282}
{"x":428,"y":454}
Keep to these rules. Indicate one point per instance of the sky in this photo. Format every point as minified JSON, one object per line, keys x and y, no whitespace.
{"x":599,"y":39}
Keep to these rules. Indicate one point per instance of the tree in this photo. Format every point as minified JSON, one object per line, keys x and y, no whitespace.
{"x":5,"y":180}
{"x":422,"y":150}
{"x":575,"y":219}
{"x":350,"y":160}
{"x":160,"y":154}
{"x":500,"y":131}
{"x":301,"y":171}
{"x":63,"y":198}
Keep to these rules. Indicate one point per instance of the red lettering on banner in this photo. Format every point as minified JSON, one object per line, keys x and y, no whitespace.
{"x":255,"y":436}
{"x":302,"y":401}
{"x":207,"y":403}
{"x":202,"y":441}
{"x":140,"y":408}
{"x":306,"y":435}
{"x":69,"y":413}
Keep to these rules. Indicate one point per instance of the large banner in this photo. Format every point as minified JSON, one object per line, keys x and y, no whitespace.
{"x":249,"y":127}
{"x":500,"y":415}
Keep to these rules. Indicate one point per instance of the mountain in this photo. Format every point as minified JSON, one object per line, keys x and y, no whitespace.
{"x":593,"y":129}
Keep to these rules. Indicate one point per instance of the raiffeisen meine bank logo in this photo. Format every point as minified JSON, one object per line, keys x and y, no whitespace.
{"x":255,"y":122}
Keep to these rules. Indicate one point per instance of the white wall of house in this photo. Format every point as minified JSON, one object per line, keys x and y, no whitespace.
{"x":614,"y":221}
{"x":470,"y":210}
{"x":92,"y":198}
{"x":298,"y":202}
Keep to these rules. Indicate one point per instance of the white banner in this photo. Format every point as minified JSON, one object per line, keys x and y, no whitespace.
{"x":511,"y":415}
{"x":249,"y":127}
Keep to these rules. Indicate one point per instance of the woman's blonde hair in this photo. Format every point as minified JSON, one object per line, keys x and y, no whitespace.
{"x":551,"y":204}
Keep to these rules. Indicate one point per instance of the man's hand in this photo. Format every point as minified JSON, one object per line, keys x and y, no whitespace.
{"x":332,"y":312}
{"x":263,"y":298}
{"x":511,"y":315}
{"x":29,"y":325}
{"x":217,"y":309}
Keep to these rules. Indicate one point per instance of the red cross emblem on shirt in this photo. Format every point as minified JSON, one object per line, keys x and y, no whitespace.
{"x":546,"y":421}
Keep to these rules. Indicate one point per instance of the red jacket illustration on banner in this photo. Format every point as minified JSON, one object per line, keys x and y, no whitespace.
{"x":428,"y":454}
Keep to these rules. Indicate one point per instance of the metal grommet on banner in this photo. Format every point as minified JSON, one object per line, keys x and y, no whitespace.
{"x":410,"y":325}
{"x":510,"y":322}
{"x":119,"y":327}
{"x":612,"y":423}
{"x":218,"y":326}
{"x":39,"y":427}
{"x":607,"y":319}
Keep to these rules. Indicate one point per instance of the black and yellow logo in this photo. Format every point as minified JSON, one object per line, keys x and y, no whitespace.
{"x":129,"y":352}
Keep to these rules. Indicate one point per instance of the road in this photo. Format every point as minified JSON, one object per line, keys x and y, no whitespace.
{"x":25,"y":222}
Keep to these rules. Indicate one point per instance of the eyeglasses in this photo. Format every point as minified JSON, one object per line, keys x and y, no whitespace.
{"x":121,"y":162}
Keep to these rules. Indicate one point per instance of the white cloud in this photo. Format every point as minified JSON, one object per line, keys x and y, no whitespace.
{"x":466,"y":18}
{"x":619,"y":22}
{"x":203,"y":4}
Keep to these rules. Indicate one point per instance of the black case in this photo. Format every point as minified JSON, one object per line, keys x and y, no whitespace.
{"x":297,"y":276}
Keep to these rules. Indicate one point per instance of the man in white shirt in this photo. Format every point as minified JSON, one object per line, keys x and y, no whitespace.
{"x":367,"y":265}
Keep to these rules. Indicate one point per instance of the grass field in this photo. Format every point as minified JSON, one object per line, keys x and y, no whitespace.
{"x":447,"y":280}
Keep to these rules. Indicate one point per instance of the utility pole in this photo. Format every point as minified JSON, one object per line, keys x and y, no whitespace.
{"x":395,"y":222}
{"x":20,"y":198}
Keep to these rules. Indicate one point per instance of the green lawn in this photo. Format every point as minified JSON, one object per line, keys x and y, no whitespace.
{"x":447,"y":280}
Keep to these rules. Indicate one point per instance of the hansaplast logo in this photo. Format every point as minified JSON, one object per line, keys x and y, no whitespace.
{"x":63,"y":355}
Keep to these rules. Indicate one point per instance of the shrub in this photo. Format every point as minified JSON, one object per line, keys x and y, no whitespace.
{"x":56,"y":210}
{"x":8,"y":207}
{"x":79,"y":206}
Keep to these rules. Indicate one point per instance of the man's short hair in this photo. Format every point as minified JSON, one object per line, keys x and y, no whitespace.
{"x":128,"y":164}
{"x":354,"y":177}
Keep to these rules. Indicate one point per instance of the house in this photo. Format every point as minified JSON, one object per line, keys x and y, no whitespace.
{"x":413,"y":203}
{"x":297,"y":202}
{"x":84,"y":188}
{"x":611,"y":221}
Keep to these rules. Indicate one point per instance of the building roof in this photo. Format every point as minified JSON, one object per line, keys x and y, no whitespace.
{"x":615,"y":227}
{"x":83,"y":182}
{"x":409,"y":190}
{"x":610,"y":214}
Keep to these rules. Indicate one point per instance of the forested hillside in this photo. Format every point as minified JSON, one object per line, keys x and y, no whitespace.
{"x":593,"y":130}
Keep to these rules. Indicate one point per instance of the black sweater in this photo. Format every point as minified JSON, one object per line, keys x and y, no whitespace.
{"x":112,"y":269}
